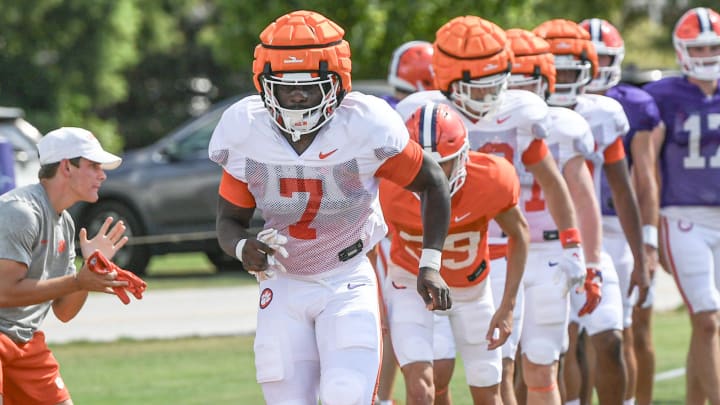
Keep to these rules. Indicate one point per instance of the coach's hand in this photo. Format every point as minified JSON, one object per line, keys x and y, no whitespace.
{"x":433,"y":289}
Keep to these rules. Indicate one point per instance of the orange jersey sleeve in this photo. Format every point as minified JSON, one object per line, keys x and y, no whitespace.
{"x":491,"y":187}
{"x":535,"y":152}
{"x":235,"y":191}
{"x":614,"y":152}
{"x":403,"y":167}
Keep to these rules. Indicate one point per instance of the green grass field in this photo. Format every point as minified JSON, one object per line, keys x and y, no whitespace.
{"x":220,"y":370}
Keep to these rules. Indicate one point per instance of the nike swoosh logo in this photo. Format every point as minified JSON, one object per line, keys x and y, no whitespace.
{"x":553,"y":264}
{"x":325,"y":155}
{"x":503,"y":119}
{"x":398,"y":287}
{"x":461,"y":217}
{"x":354,"y":286}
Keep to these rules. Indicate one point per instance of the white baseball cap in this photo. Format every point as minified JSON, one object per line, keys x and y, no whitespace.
{"x":72,"y":142}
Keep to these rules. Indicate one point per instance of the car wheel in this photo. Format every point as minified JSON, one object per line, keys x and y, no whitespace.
{"x":223,"y":262}
{"x":131,"y":257}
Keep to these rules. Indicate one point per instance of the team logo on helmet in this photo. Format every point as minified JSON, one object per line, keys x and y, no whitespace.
{"x":302,"y":48}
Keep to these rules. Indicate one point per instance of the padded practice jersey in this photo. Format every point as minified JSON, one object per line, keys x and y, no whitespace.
{"x":324,"y":200}
{"x":609,"y":124}
{"x":690,"y":157}
{"x":491,"y":187}
{"x":516,"y":130}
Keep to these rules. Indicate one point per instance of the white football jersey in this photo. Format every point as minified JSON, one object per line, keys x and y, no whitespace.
{"x":607,"y":121}
{"x":508,"y":131}
{"x":326,"y":199}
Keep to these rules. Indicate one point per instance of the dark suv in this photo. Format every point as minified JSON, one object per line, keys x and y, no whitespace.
{"x":166,"y":193}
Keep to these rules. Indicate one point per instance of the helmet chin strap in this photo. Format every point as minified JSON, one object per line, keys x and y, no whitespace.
{"x":298,"y":123}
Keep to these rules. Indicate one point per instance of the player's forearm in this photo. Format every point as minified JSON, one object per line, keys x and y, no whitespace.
{"x":30,"y":292}
{"x":67,"y":307}
{"x":556,"y":194}
{"x":626,"y":206}
{"x":582,"y":192}
{"x":231,"y":225}
{"x":516,"y":261}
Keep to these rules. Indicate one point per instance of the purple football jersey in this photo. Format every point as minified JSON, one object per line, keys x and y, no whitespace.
{"x":690,"y":155}
{"x":643,"y":115}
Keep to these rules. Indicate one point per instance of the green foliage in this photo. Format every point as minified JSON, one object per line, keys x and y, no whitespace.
{"x":131,"y":70}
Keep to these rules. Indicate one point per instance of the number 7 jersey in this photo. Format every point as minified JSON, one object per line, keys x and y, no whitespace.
{"x":325,"y":199}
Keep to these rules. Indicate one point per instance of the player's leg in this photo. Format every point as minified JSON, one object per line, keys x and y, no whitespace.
{"x":287,"y":364}
{"x":615,"y":244}
{"x":544,"y":324}
{"x":472,"y":312}
{"x":519,"y":387}
{"x":688,"y":253}
{"x":347,"y":326}
{"x":412,"y":336}
{"x":604,"y":327}
{"x":443,"y":371}
{"x":571,"y":372}
{"x":498,"y":272}
{"x":443,"y":356}
{"x":388,"y":371}
{"x":644,"y":351}
{"x":388,"y":368}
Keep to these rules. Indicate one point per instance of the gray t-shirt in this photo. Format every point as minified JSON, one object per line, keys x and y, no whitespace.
{"x":31,"y":232}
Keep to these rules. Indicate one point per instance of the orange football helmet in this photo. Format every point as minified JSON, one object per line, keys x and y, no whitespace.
{"x":410,"y":68}
{"x":575,"y":52}
{"x":302,"y":48}
{"x":533,"y":64}
{"x":471,"y":53}
{"x":698,"y":27}
{"x":442,"y":133}
{"x":608,"y":42}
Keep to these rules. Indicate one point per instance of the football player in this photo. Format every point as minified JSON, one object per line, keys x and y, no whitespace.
{"x":310,"y":154}
{"x":570,"y":136}
{"x":409,"y":71}
{"x":642,"y":144}
{"x":690,"y":191}
{"x":465,"y":266}
{"x":576,"y":65}
{"x":472,"y":62}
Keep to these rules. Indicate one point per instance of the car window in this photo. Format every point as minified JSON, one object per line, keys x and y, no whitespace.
{"x":195,"y":145}
{"x":23,"y":145}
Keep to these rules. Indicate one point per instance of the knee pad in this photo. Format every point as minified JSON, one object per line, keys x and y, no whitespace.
{"x":269,"y":362}
{"x":482,"y":374}
{"x":342,"y":386}
{"x":541,"y":351}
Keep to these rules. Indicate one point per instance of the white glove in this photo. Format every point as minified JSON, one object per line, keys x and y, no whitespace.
{"x":272,"y":238}
{"x":572,"y":264}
